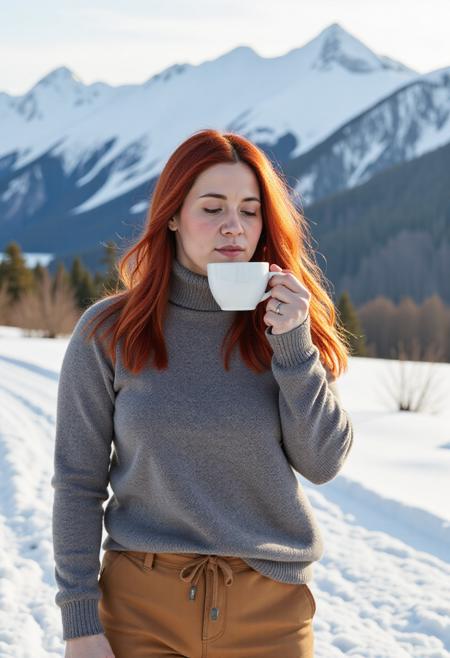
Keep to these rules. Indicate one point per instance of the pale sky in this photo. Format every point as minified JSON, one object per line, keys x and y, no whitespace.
{"x":128,"y":41}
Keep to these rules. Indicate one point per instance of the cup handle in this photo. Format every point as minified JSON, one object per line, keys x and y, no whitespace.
{"x":267,"y":294}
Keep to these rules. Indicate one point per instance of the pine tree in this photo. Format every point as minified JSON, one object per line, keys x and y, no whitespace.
{"x":111,"y":280}
{"x":61,"y":278}
{"x":98,"y":283}
{"x":82,"y":283}
{"x":349,"y":319}
{"x":15,"y":273}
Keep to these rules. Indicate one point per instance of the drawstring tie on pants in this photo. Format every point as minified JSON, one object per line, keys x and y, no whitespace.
{"x":192,"y":571}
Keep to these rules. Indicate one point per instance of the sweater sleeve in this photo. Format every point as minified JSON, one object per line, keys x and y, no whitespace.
{"x":84,"y":429}
{"x":317,"y":433}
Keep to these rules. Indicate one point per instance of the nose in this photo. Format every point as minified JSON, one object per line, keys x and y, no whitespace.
{"x":233,"y":225}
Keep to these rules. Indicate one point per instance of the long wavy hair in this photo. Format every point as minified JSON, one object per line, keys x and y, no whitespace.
{"x":145,"y":268}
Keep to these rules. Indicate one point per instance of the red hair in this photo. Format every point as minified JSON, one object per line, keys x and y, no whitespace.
{"x":145,"y":268}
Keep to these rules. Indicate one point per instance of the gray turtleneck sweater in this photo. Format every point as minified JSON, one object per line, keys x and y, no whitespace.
{"x":203,"y":460}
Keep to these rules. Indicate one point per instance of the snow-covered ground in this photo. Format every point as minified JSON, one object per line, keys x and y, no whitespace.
{"x":383,"y":585}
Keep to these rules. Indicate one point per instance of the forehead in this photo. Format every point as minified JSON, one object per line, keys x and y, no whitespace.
{"x":230,"y":179}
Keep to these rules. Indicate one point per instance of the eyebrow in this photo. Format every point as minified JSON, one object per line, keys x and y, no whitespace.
{"x":222,"y":196}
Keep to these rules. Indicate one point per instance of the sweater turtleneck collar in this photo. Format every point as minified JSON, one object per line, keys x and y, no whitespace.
{"x":190,"y":289}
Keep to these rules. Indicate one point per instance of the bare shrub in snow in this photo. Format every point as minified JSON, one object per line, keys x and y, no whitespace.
{"x":415,"y":380}
{"x":49,"y":310}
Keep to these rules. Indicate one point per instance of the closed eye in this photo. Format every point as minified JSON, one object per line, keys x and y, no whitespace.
{"x":215,"y":210}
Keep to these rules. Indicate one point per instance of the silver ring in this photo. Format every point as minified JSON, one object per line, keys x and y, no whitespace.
{"x":277,"y":310}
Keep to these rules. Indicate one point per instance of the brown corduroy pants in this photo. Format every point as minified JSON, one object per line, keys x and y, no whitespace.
{"x":201,"y":606}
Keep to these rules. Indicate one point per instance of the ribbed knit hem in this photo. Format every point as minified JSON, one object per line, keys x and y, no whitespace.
{"x":292,"y":346}
{"x":285,"y":572}
{"x":80,"y":618}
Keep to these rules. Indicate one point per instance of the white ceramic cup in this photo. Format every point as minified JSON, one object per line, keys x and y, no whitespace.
{"x":239,"y":286}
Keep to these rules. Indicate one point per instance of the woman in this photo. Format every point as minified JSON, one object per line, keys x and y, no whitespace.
{"x":211,"y":539}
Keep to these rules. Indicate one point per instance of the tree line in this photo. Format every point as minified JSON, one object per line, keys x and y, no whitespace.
{"x":50,"y":305}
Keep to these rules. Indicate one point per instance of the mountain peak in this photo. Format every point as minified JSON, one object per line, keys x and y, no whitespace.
{"x":241,"y":50}
{"x":238,"y":54}
{"x":60,"y":75}
{"x":336,"y":46}
{"x":334,"y":28}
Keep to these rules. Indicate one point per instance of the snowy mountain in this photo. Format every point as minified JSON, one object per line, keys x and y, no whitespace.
{"x":406,"y":124}
{"x":29,"y":124}
{"x":331,"y":112}
{"x":334,"y":78}
{"x":261,"y":97}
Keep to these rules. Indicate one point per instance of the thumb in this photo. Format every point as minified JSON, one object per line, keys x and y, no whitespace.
{"x":275,"y":268}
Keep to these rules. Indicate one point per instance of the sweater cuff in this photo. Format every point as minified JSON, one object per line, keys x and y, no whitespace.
{"x":292,"y":346}
{"x":80,"y":618}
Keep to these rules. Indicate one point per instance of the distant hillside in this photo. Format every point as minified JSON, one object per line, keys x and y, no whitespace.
{"x":391,"y":235}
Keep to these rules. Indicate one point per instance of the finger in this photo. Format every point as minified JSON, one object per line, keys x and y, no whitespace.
{"x":273,"y":315}
{"x":275,"y":319}
{"x":289,"y":280}
{"x":284,"y":294}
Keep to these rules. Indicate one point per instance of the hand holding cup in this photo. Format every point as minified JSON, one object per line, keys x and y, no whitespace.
{"x":294,"y":298}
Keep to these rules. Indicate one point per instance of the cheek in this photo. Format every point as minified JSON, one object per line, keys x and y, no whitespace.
{"x":206,"y":232}
{"x":256,"y":229}
{"x":199,"y":226}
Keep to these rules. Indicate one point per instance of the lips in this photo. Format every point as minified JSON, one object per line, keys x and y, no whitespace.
{"x":230,"y":249}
